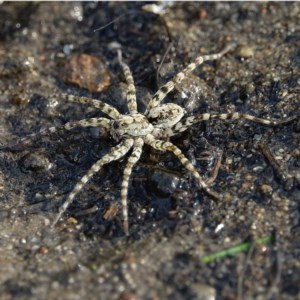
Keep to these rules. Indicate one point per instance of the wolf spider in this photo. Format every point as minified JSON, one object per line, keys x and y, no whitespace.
{"x":154,"y":127}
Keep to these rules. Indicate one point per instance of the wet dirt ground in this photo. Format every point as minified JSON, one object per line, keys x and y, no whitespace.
{"x":48,"y":48}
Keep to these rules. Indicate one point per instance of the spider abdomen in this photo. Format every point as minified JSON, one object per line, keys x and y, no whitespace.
{"x":166,"y":115}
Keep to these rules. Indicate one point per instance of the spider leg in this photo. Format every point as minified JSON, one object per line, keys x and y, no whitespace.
{"x":215,"y":170}
{"x":134,"y":157}
{"x":91,"y":122}
{"x":169,"y":86}
{"x":168,"y":146}
{"x":116,"y":153}
{"x":131,"y":93}
{"x":240,"y":116}
{"x":189,"y":121}
{"x":104,"y":107}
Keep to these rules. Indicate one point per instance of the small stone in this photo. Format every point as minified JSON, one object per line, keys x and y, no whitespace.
{"x":110,"y":213}
{"x":266,"y":189}
{"x":72,"y":220}
{"x":34,"y":162}
{"x":19,"y":98}
{"x":202,"y":14}
{"x":173,"y":214}
{"x":163,"y":183}
{"x":127,"y":296}
{"x":249,"y":88}
{"x":42,"y":250}
{"x":202,"y":291}
{"x":245,"y":51}
{"x":227,"y":196}
{"x":86,"y":71}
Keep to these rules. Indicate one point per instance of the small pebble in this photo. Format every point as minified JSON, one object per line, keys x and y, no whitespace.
{"x":245,"y":51}
{"x":86,"y":71}
{"x":202,"y":291}
{"x":34,"y":162}
{"x":266,"y":189}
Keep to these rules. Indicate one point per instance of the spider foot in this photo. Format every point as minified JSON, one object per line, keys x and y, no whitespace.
{"x":212,"y":193}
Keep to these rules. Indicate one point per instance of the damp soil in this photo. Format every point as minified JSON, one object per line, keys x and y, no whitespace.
{"x":50,"y":48}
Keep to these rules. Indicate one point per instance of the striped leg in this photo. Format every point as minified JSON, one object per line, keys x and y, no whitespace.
{"x":104,"y":107}
{"x":189,"y":121}
{"x":134,"y":157}
{"x":115,"y":154}
{"x":169,"y":86}
{"x":131,"y":93}
{"x":215,"y":170}
{"x":91,"y":122}
{"x":167,"y":146}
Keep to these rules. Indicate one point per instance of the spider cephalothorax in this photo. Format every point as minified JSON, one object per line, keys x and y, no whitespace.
{"x":134,"y":125}
{"x":153,"y":127}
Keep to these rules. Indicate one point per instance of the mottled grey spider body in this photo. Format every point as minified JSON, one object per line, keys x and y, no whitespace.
{"x":154,"y":127}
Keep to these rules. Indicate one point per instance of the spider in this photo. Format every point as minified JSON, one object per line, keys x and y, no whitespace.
{"x":154,"y":127}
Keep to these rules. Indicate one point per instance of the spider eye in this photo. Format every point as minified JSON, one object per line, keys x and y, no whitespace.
{"x":116,"y":125}
{"x":152,"y":120}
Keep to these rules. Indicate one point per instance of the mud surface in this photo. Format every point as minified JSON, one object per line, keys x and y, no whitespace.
{"x":172,"y":223}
